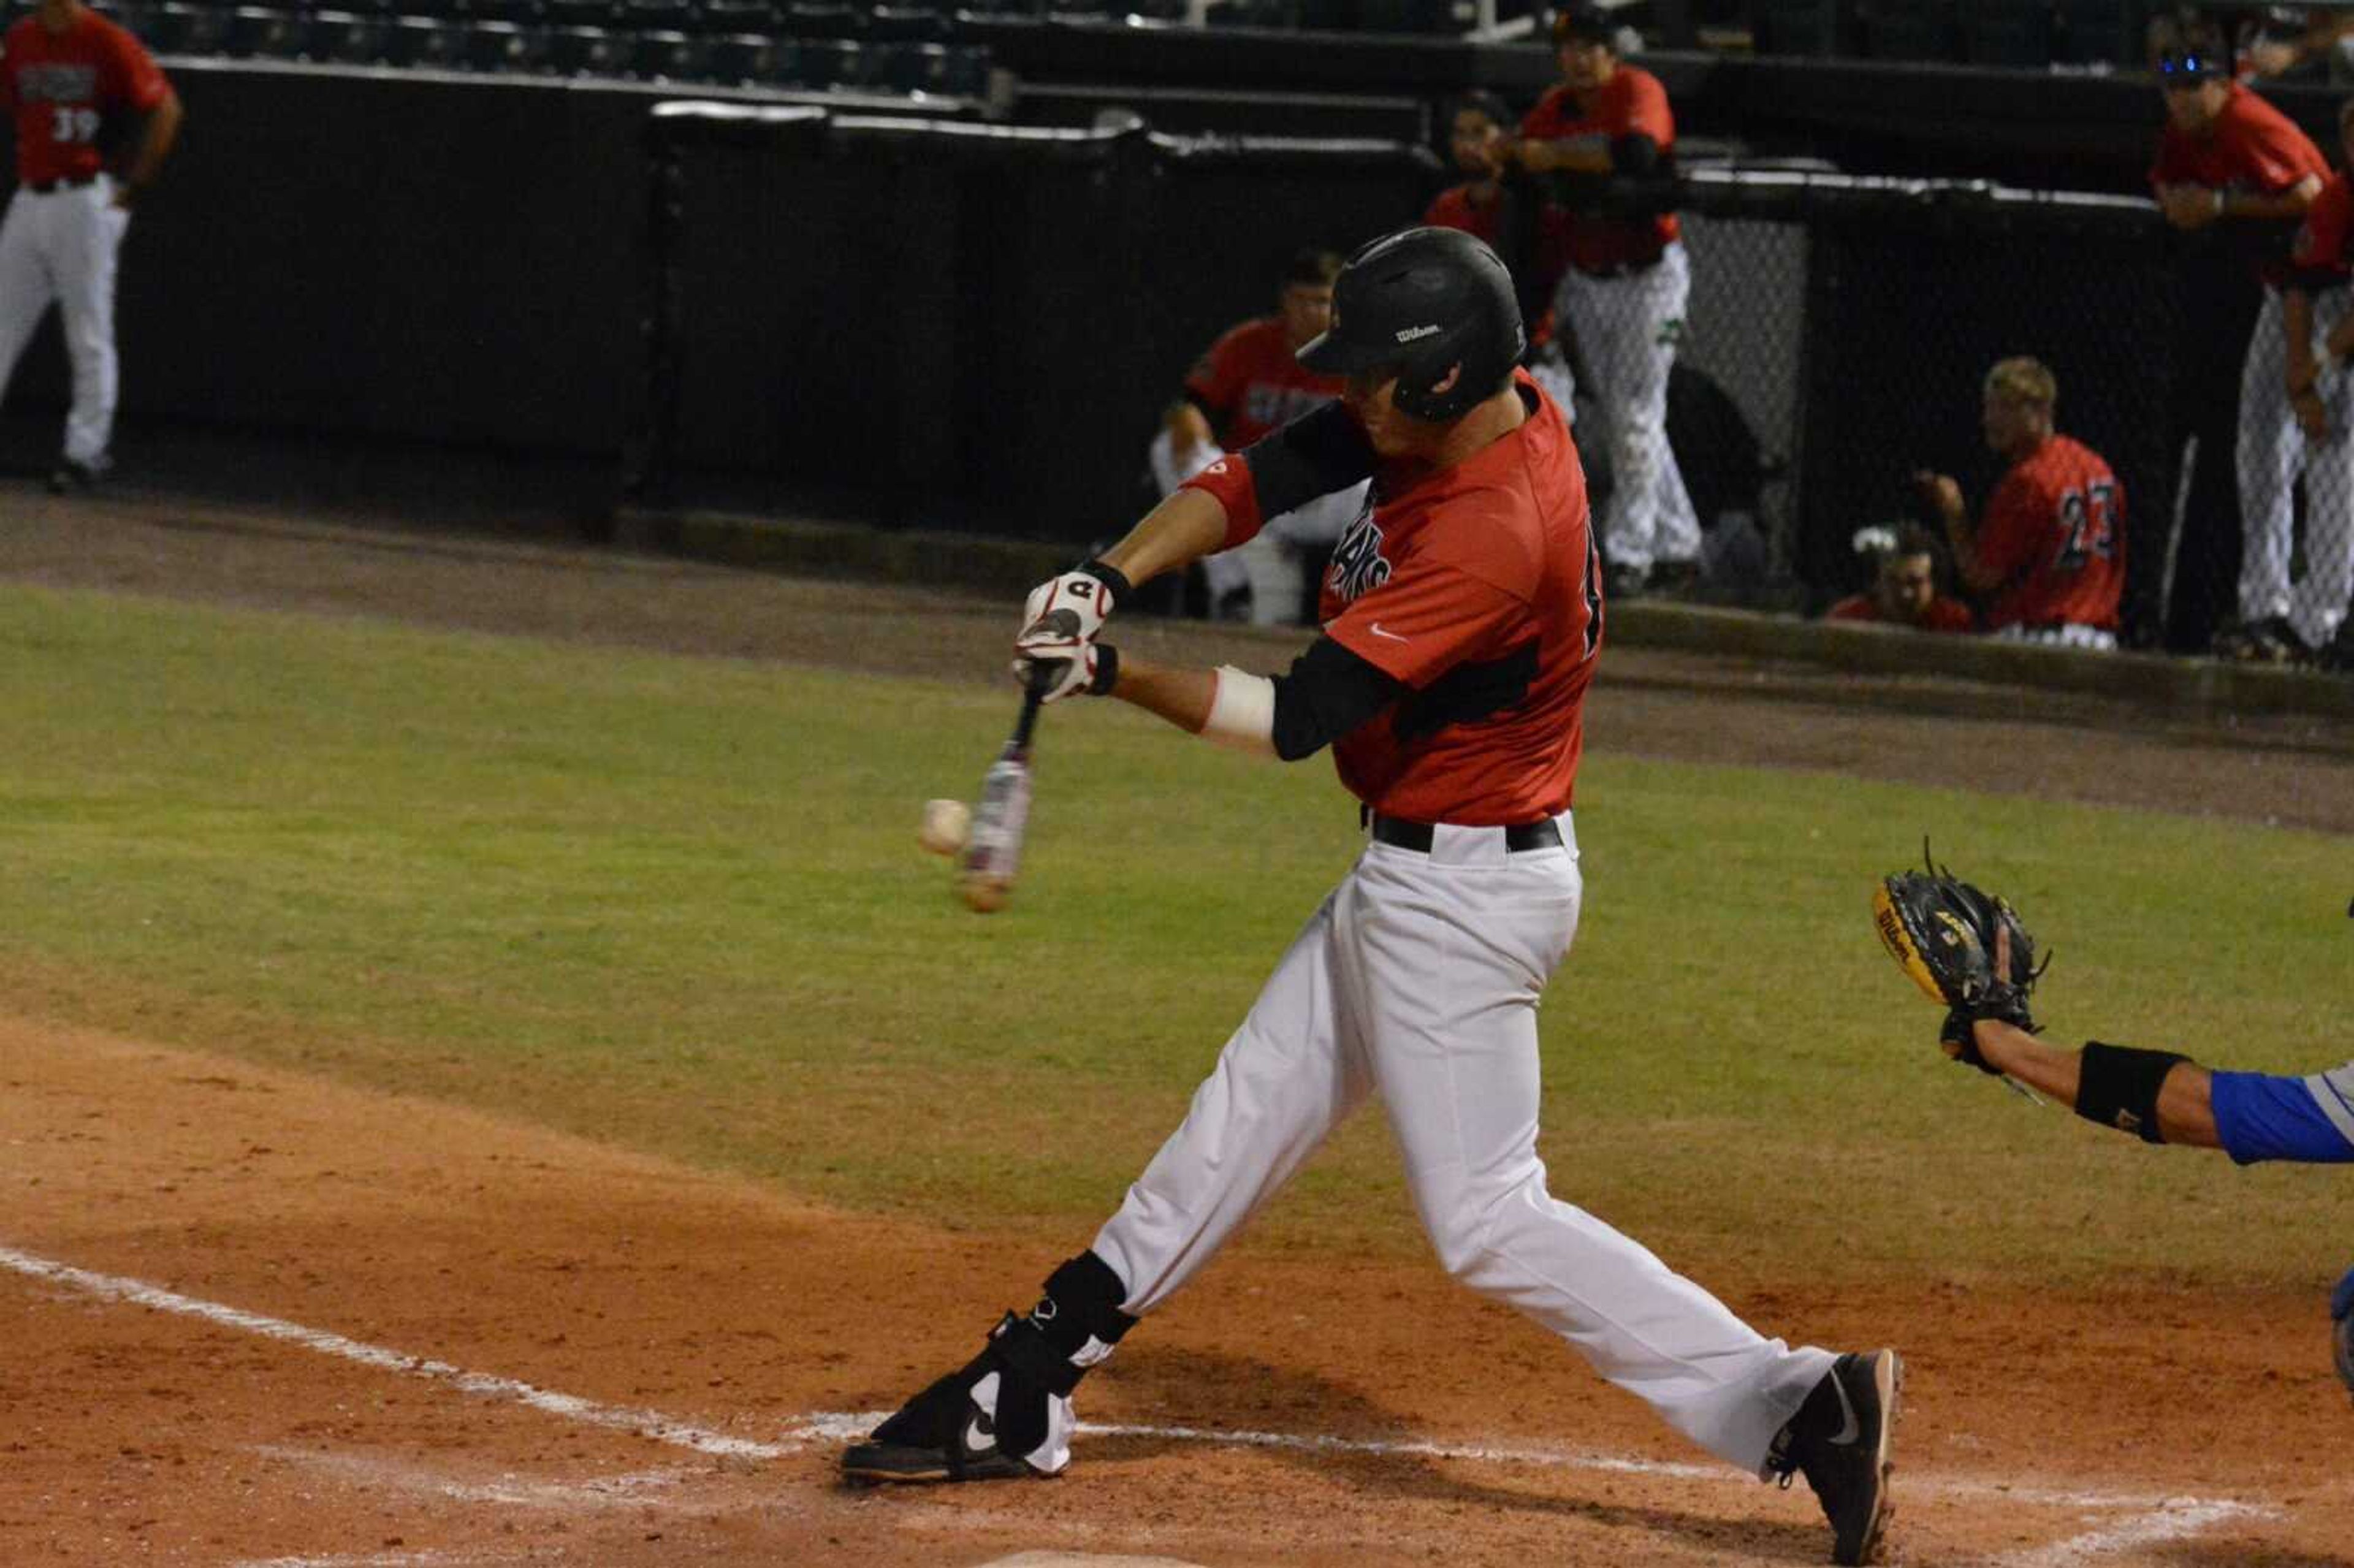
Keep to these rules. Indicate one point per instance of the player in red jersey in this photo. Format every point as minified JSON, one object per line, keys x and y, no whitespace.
{"x":2228,"y":157}
{"x":1248,"y":382}
{"x":2318,"y":329}
{"x":1482,"y":150}
{"x":65,"y":72}
{"x":2050,"y":554}
{"x":1623,"y":290}
{"x":1463,"y":619}
{"x":1904,"y":589}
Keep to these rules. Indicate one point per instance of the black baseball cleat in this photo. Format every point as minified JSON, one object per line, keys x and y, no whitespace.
{"x":72,"y":477}
{"x":941,"y":1435}
{"x":1008,"y":1412}
{"x":1842,"y":1440}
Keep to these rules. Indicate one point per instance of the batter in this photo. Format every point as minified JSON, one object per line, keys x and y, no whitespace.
{"x":1463,"y":617}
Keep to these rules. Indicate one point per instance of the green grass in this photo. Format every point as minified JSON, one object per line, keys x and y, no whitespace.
{"x":676,"y":904}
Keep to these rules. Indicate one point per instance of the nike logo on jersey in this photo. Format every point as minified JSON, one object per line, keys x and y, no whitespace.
{"x":1850,"y":1428}
{"x":1377,"y":630}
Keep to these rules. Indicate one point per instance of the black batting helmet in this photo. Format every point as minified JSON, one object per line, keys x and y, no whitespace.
{"x":1424,"y":301}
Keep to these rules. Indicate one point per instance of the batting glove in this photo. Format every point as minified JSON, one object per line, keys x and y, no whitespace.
{"x":1070,"y":669}
{"x":1073,"y":606}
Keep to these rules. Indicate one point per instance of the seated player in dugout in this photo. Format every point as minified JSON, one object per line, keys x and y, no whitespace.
{"x":1511,"y":217}
{"x":1623,"y":290}
{"x":2047,"y":559}
{"x":2163,"y":1096}
{"x":1903,"y":591}
{"x":1249,"y":383}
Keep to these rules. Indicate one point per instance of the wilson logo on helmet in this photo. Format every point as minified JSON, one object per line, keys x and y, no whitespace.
{"x":1408,"y":335}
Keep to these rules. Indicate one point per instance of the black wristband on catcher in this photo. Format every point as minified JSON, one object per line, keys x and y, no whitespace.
{"x":1106,"y":674}
{"x":2117,"y":1086}
{"x":1112,"y":578}
{"x":1957,"y":1032}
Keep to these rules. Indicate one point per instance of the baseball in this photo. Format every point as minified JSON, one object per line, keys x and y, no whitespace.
{"x":944,"y":826}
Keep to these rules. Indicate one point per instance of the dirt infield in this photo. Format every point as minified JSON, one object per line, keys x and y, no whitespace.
{"x":254,"y":1318}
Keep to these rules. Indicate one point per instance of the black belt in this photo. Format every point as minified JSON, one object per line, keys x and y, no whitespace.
{"x":1399,"y":834}
{"x":43,"y":187}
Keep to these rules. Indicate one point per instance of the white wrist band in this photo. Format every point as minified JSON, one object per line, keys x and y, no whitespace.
{"x":1242,"y":712}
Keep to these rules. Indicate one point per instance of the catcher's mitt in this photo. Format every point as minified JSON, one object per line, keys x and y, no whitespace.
{"x":1964,"y":949}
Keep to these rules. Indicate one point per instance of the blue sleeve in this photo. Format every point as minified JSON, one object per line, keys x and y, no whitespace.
{"x":2260,"y":1117}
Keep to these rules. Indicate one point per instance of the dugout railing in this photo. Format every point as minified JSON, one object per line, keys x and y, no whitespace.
{"x":976,"y":328}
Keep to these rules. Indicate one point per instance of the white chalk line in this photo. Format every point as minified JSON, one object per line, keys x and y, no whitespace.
{"x":2173,"y":1520}
{"x":647,"y":1424}
{"x":630,"y":1491}
{"x":841,"y":1426}
{"x":2165,"y":1517}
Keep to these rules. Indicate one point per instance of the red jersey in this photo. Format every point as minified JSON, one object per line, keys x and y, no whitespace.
{"x":1251,"y":383}
{"x":1632,"y":103}
{"x":2055,"y":530}
{"x":2251,"y":148}
{"x":1944,"y":614}
{"x":62,"y":86}
{"x":1479,"y":588}
{"x":2320,"y":245}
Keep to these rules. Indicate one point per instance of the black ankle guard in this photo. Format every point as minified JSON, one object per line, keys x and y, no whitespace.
{"x":1075,"y":1325}
{"x":2117,"y":1086}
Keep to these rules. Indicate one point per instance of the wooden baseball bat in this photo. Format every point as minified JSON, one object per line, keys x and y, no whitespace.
{"x":992,"y":848}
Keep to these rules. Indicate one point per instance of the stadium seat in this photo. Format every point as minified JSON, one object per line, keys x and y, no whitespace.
{"x":906,"y":25}
{"x":522,"y":13}
{"x":176,"y":29}
{"x":2100,"y":32}
{"x":813,"y":19}
{"x":579,"y":13}
{"x":583,"y":51}
{"x":740,"y":60}
{"x":1803,"y":28}
{"x":1909,"y":30}
{"x":664,"y":55}
{"x":503,"y":48}
{"x":421,"y":43}
{"x":1413,"y":16}
{"x":737,"y":18}
{"x":965,"y":74}
{"x":833,"y":62}
{"x":655,"y":16}
{"x":2013,"y":33}
{"x":342,"y":38}
{"x":254,"y":32}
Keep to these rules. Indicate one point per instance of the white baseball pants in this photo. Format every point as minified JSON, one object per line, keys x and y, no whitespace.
{"x":2273,"y":453}
{"x":62,"y":246}
{"x":1272,"y":563}
{"x":1627,"y":327}
{"x":1419,"y":978}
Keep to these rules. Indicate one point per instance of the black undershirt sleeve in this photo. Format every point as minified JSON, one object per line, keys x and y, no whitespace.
{"x":1329,"y":691}
{"x":1633,"y":153}
{"x":1315,"y":454}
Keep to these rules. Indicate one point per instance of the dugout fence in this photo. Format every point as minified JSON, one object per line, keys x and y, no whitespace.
{"x":976,"y":327}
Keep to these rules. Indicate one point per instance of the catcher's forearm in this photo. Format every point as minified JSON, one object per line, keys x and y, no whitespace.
{"x":2184,"y":1103}
{"x":1188,"y":525}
